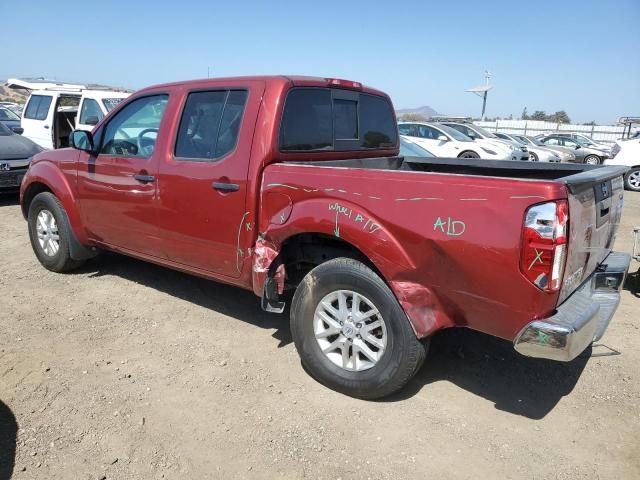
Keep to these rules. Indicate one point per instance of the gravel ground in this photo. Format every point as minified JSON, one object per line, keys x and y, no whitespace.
{"x":126,"y":370}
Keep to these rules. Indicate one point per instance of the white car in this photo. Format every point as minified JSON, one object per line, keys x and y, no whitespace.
{"x":447,"y":142}
{"x":629,"y":155}
{"x":488,"y":139}
{"x":54,"y":110}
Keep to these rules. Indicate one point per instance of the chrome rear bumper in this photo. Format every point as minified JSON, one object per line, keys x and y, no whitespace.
{"x":581,"y":319}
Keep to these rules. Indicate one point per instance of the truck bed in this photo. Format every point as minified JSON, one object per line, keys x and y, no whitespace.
{"x":447,"y":232}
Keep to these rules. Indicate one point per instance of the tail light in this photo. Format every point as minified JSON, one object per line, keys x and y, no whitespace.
{"x":544,"y":244}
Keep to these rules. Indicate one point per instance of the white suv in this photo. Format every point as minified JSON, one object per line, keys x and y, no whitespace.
{"x":446,"y":142}
{"x":53,"y":110}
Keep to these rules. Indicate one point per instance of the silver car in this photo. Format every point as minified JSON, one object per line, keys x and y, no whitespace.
{"x":566,"y":154}
{"x":536,"y":152}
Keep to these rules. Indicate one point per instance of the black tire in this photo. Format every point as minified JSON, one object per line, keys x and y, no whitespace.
{"x":533,"y":157}
{"x":592,"y":160}
{"x":61,"y":260}
{"x":403,"y":355}
{"x":468,"y":154}
{"x":631,"y":179}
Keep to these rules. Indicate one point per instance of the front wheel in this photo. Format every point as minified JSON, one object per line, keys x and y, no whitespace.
{"x":351,"y":333}
{"x":533,"y":157}
{"x":49,"y":232}
{"x":469,"y":154}
{"x":592,"y":160}
{"x":632,"y":179}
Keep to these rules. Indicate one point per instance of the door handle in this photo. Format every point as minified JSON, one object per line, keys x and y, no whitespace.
{"x":144,"y":178}
{"x":225,"y":187}
{"x":46,"y":126}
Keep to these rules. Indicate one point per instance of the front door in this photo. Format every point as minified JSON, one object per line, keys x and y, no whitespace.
{"x":117,"y":187}
{"x":203,"y":179}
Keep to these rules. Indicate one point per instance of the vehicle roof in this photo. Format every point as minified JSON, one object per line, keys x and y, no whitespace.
{"x":269,"y":80}
{"x":85,"y":93}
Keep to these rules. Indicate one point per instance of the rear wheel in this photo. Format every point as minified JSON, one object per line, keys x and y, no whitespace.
{"x":351,"y":333}
{"x":592,"y":160}
{"x":49,"y":233}
{"x":469,"y":154}
{"x":632,"y":179}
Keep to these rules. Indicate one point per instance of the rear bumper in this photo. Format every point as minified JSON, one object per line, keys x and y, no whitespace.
{"x":581,"y":319}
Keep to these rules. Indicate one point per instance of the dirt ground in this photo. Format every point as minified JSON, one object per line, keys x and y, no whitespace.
{"x":125,"y":370}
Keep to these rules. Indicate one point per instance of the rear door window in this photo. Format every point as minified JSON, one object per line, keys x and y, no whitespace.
{"x":210,"y":124}
{"x":316,"y":119}
{"x":38,"y":107}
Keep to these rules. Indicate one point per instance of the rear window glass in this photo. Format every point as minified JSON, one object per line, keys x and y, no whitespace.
{"x":38,"y":107}
{"x":315,"y":120}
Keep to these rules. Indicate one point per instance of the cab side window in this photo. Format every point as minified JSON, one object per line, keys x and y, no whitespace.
{"x":210,"y":124}
{"x":90,"y":112}
{"x":133,"y":131}
{"x":38,"y":107}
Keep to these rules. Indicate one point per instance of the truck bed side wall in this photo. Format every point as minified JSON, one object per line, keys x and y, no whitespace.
{"x":447,"y":245}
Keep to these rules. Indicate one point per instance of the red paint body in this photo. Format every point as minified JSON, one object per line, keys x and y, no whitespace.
{"x":448,"y":245}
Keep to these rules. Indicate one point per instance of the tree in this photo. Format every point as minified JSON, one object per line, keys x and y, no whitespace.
{"x":538,"y":115}
{"x":524,"y":115}
{"x":559,"y":117}
{"x":411,"y":117}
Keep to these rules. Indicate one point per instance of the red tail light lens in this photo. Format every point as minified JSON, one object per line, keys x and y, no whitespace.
{"x":544,"y":244}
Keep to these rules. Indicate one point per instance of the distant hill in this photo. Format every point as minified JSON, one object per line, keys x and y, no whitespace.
{"x":424,"y":111}
{"x":10,"y":95}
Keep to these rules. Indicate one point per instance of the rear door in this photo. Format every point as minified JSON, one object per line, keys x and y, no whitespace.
{"x":38,"y":118}
{"x":117,"y":187}
{"x":202,"y":177}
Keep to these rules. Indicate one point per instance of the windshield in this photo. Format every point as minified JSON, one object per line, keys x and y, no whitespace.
{"x":111,"y":103}
{"x":408,"y":149}
{"x":455,"y":134}
{"x":6,"y":114}
{"x":483,"y":132}
{"x":4,"y":131}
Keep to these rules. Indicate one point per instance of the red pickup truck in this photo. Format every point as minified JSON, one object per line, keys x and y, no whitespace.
{"x":292,"y":187}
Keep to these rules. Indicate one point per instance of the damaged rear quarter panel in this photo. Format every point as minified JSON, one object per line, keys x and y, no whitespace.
{"x":447,"y":245}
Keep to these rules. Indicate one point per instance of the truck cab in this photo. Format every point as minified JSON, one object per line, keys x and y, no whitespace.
{"x":54,"y":110}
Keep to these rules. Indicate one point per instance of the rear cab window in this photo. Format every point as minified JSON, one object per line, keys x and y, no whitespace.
{"x":327,"y":119}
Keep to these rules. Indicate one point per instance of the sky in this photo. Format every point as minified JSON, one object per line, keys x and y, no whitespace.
{"x":580,"y":56}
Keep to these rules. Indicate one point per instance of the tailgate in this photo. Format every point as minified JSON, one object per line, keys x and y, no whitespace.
{"x":595,"y":207}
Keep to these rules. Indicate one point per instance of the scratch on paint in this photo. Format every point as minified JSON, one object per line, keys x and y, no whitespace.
{"x":309,"y":190}
{"x":356,"y":193}
{"x":528,"y":196}
{"x":374,"y":197}
{"x":342,"y":191}
{"x":471,"y":199}
{"x":239,"y":251}
{"x":282,"y":185}
{"x":328,"y":189}
{"x":416,"y":199}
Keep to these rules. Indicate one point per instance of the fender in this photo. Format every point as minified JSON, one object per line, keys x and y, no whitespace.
{"x":360,"y":228}
{"x":48,"y":174}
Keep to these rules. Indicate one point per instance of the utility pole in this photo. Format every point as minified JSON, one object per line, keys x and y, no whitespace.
{"x":483,"y":91}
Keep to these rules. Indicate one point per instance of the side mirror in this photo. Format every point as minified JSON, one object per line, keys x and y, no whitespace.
{"x":18,"y":130}
{"x":577,"y":147}
{"x":443,"y":138}
{"x":93,"y":120}
{"x":82,"y":140}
